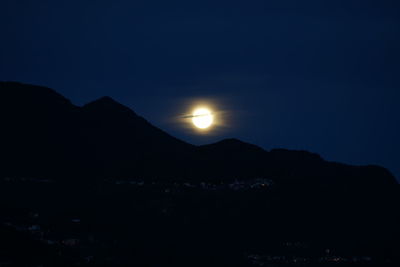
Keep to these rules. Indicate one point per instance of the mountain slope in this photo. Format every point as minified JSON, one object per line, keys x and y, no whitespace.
{"x":45,"y":135}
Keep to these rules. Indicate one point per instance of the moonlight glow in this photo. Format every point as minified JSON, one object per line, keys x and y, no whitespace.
{"x":202,"y":118}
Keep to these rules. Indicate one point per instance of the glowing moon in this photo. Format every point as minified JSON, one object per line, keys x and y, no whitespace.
{"x":202,"y":118}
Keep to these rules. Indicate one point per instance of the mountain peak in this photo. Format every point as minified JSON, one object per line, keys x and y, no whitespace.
{"x":26,"y":93}
{"x":108,"y":104}
{"x":234,"y":142}
{"x":231,"y":141}
{"x":105,"y":100}
{"x":233,"y":145}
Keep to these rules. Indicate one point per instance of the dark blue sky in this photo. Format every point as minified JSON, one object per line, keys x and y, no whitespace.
{"x":316,"y":75}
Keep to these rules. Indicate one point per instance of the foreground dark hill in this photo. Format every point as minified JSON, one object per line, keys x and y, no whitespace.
{"x":104,"y":187}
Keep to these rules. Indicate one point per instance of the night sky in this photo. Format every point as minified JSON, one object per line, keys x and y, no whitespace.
{"x":322,"y":76}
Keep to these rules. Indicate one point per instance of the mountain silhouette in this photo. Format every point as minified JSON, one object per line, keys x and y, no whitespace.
{"x":45,"y":135}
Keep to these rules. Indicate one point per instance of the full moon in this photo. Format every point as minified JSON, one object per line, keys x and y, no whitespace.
{"x":202,"y":118}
